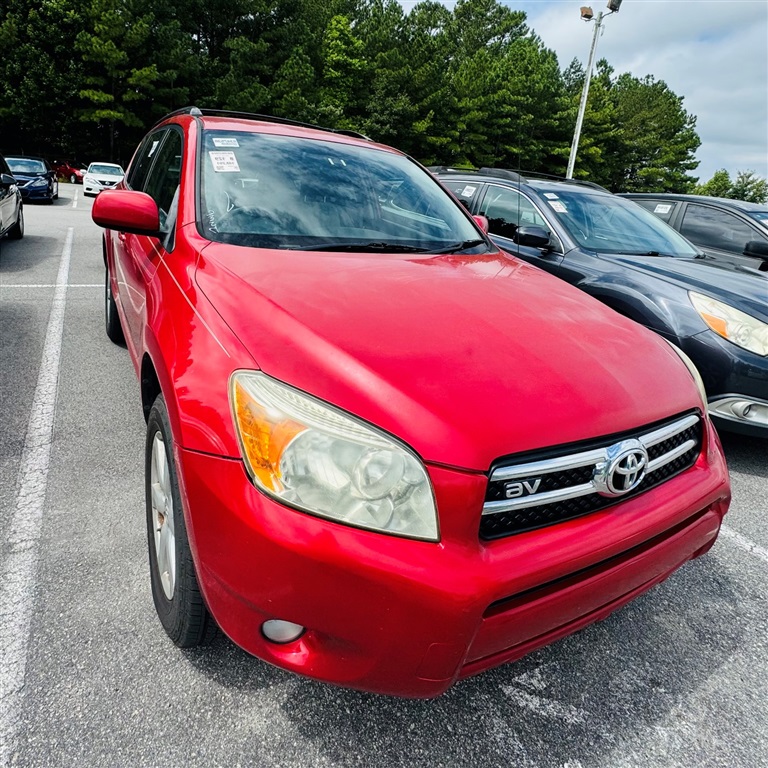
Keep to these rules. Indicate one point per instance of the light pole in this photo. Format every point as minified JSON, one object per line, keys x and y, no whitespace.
{"x":586,"y":14}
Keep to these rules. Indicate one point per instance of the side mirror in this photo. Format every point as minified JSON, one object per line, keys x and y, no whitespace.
{"x":756,"y":248}
{"x":127,"y":211}
{"x":6,"y":180}
{"x":532,"y":236}
{"x":481,"y":222}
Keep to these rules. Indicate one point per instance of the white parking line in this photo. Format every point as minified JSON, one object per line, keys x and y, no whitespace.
{"x":745,"y":543}
{"x":51,"y":285}
{"x":74,"y":201}
{"x":20,"y":550}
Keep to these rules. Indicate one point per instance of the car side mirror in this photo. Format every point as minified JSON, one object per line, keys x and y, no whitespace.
{"x":6,"y":180}
{"x":532,"y":236}
{"x":481,"y":222}
{"x":125,"y":210}
{"x":756,"y":248}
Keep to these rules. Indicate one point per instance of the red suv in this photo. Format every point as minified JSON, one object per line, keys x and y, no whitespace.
{"x":380,"y":451}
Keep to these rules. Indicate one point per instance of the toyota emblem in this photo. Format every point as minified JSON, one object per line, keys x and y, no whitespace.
{"x":622,"y":470}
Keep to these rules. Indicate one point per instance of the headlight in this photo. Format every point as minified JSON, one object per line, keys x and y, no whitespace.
{"x":39,"y":182}
{"x":738,"y":327}
{"x":89,"y":180}
{"x":312,"y":456}
{"x":692,"y":369}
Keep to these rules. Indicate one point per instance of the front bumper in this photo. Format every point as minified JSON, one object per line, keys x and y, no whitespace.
{"x":409,"y":618}
{"x":30,"y":194}
{"x":732,"y":377}
{"x":92,"y":187}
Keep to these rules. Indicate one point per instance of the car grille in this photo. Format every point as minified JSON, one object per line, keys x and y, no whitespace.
{"x":549,"y":487}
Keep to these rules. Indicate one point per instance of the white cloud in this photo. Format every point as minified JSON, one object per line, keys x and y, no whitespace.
{"x":713,"y":53}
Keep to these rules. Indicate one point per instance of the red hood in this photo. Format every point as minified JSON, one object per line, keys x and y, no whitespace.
{"x":465,"y":358}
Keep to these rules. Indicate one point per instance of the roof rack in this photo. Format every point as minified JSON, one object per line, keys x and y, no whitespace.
{"x":553,"y":177}
{"x":197,"y":112}
{"x":500,"y":173}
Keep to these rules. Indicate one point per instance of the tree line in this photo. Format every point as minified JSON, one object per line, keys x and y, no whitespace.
{"x":470,"y":85}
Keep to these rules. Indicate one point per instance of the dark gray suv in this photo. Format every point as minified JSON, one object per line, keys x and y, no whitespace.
{"x":728,"y":230}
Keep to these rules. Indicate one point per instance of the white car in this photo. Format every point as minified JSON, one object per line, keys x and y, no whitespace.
{"x":101,"y":176}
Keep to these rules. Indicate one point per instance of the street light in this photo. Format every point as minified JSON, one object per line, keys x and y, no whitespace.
{"x":587,"y":15}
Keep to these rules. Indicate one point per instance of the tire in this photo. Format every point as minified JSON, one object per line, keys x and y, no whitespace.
{"x":175,"y":590}
{"x":73,"y":179}
{"x":56,"y":192}
{"x":16,"y":232}
{"x":111,"y":316}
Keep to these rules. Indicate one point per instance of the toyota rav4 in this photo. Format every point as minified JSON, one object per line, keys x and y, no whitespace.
{"x":380,"y":451}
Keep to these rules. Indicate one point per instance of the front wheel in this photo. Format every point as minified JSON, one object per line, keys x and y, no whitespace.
{"x":17,"y":230}
{"x":175,"y":588}
{"x":73,"y":179}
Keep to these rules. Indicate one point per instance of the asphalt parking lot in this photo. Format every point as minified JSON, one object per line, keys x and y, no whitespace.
{"x":88,"y":677}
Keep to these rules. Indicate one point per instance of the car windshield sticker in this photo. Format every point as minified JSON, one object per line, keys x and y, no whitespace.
{"x":662,"y":208}
{"x":224,"y":162}
{"x":558,"y":206}
{"x":225,"y":143}
{"x":468,"y":191}
{"x":551,"y":196}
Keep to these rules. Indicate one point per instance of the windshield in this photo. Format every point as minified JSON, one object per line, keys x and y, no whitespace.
{"x":761,"y":216}
{"x":25,"y":165}
{"x":106,"y":170}
{"x":273,"y":191}
{"x":609,"y":224}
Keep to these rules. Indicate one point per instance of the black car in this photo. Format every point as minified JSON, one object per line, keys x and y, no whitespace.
{"x":629,"y":259}
{"x":11,"y":207}
{"x":731,"y":230}
{"x":35,"y":177}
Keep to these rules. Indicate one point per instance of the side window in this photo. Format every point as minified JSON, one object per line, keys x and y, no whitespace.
{"x":507,"y":209}
{"x":717,"y":229}
{"x":162,"y":184}
{"x":4,"y":167}
{"x":465,"y":191}
{"x":137,"y":173}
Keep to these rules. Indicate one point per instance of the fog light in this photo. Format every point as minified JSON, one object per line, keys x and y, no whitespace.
{"x":279,"y":631}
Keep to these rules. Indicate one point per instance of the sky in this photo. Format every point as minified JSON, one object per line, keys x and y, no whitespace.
{"x":713,"y":53}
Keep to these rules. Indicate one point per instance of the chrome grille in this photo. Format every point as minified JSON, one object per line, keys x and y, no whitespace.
{"x":566,"y":483}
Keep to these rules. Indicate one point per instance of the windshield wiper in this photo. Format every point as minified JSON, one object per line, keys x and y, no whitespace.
{"x":362,"y":247}
{"x":455,"y":247}
{"x":641,"y":253}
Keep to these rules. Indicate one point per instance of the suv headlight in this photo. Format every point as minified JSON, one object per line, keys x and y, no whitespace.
{"x":316,"y":458}
{"x":692,"y":369}
{"x":738,"y":327}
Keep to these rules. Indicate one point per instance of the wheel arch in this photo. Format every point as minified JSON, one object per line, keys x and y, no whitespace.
{"x":150,"y":386}
{"x":663,"y":314}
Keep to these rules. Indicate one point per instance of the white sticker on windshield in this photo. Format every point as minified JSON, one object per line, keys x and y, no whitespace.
{"x":662,"y":208}
{"x":468,"y":191}
{"x":224,"y":162}
{"x":225,"y":143}
{"x":558,"y":206}
{"x":551,"y":196}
